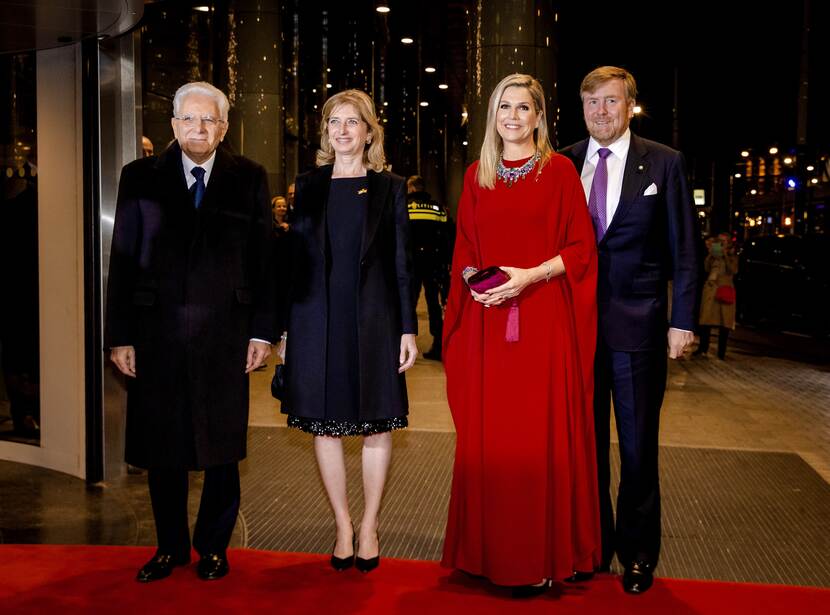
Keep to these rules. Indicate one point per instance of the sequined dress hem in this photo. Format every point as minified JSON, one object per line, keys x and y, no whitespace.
{"x":322,"y":427}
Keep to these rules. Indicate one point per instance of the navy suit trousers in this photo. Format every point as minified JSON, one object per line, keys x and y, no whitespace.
{"x":636,"y":381}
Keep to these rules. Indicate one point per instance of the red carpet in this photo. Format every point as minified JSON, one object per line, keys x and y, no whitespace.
{"x":88,"y":579}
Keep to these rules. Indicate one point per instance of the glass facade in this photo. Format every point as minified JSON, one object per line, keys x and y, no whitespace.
{"x":19,"y":308}
{"x":278,"y":62}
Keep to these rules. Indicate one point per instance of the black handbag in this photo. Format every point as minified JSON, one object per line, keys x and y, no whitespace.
{"x":278,"y":385}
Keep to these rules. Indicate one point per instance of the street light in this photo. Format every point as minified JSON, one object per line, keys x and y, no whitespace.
{"x":382,"y":7}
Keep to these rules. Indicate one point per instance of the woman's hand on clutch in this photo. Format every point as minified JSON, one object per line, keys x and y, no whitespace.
{"x":519,"y":280}
{"x":409,"y":352}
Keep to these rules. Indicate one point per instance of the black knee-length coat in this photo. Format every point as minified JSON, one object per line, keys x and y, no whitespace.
{"x":385,"y":310}
{"x":188,"y":289}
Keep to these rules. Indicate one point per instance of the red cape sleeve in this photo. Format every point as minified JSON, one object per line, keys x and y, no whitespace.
{"x":463,"y":318}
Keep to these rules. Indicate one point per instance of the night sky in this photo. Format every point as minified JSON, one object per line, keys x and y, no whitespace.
{"x":738,"y":70}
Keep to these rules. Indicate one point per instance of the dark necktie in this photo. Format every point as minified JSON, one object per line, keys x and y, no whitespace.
{"x":599,"y":193}
{"x":199,"y":187}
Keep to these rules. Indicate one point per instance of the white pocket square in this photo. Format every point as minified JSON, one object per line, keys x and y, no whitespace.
{"x":652,"y":189}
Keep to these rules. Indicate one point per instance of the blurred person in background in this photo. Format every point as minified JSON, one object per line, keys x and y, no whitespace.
{"x":717,"y":304}
{"x":430,"y":232}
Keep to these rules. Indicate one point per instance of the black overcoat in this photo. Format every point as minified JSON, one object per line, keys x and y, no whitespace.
{"x":188,"y":289}
{"x":385,"y":310}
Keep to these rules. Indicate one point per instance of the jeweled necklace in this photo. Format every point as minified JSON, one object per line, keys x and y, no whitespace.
{"x":510,"y":175}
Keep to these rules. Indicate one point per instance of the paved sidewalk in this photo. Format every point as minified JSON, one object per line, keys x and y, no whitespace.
{"x":750,"y":402}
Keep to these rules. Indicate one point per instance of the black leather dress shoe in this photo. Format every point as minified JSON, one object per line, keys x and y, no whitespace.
{"x":212,"y":566}
{"x":638,"y":577}
{"x":530,"y":591}
{"x":160,"y":567}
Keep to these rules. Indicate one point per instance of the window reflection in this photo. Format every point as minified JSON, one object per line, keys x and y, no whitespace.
{"x":19,"y":326}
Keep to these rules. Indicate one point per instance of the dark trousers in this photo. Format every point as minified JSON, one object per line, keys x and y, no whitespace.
{"x":218,"y":510}
{"x":636,"y":381}
{"x":424,"y":272}
{"x":705,"y":333}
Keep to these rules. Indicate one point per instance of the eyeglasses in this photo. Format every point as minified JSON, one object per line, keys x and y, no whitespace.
{"x":351,"y":122}
{"x":191,"y":120}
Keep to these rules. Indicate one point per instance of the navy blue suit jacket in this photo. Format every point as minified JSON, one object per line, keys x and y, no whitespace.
{"x":650,"y":240}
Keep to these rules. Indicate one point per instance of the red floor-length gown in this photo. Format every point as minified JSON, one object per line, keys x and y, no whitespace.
{"x":524,"y":502}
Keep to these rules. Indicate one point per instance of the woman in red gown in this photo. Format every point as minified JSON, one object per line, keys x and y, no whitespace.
{"x":524,"y":507}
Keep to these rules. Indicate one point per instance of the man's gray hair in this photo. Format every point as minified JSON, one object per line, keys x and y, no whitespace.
{"x":206,"y":89}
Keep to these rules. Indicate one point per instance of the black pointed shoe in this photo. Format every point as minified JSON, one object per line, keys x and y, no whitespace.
{"x":343,"y":563}
{"x":638,"y":577}
{"x":159,"y":567}
{"x":367,"y":565}
{"x":579,"y":576}
{"x":212,"y":566}
{"x":530,"y":591}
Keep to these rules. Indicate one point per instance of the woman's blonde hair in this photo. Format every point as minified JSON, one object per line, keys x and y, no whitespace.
{"x":492,"y":147}
{"x":373,"y":156}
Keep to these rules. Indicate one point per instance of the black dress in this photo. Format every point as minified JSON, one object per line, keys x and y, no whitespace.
{"x":345,"y":219}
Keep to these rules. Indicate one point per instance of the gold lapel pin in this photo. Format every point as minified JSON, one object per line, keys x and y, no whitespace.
{"x":362,"y":191}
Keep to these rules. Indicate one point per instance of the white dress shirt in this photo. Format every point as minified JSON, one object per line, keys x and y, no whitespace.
{"x":616,"y":168}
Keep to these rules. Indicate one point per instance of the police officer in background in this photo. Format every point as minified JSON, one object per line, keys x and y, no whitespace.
{"x":431,"y":238}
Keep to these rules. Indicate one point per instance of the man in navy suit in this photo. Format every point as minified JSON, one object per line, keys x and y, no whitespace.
{"x":643,"y":216}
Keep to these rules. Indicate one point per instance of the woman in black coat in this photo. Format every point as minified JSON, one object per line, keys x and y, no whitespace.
{"x":350,"y":318}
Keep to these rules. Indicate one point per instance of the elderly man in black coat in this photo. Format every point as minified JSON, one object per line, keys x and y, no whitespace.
{"x":190,"y":312}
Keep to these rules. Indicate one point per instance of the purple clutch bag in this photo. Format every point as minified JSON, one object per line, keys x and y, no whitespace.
{"x":486,"y":279}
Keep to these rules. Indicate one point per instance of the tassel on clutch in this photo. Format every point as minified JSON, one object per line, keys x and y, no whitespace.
{"x":512,"y":332}
{"x":491,"y":277}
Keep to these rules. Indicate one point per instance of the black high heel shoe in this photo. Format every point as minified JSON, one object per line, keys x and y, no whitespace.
{"x":367,"y":565}
{"x":344,"y":563}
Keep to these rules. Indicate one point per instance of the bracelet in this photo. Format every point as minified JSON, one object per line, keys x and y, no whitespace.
{"x":466,"y":271}
{"x":548,"y":272}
